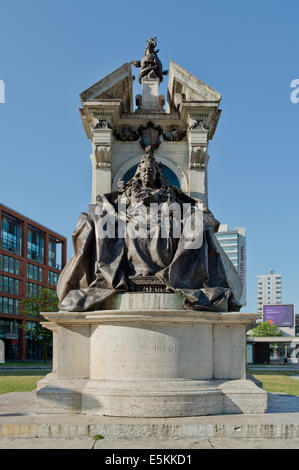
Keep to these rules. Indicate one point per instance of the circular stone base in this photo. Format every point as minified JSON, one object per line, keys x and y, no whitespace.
{"x":150,"y":398}
{"x":146,"y":356}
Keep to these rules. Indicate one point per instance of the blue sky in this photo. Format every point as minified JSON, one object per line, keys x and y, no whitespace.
{"x":248,"y":51}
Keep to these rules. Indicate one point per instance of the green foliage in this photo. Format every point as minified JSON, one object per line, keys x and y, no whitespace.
{"x":47,"y":301}
{"x":98,"y":436}
{"x":265,"y":328}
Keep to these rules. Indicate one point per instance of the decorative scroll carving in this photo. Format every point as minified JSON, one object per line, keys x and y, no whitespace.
{"x":101,"y":124}
{"x":149,"y":135}
{"x":126,"y":133}
{"x":102,"y":154}
{"x":198,"y":157}
{"x":174,"y":135}
{"x":198,"y":124}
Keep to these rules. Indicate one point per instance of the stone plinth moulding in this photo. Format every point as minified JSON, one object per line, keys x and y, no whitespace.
{"x":145,"y":356}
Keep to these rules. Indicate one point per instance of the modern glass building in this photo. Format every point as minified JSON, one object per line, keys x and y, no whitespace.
{"x":233,"y":243}
{"x":31,"y":258}
{"x":268,"y":290}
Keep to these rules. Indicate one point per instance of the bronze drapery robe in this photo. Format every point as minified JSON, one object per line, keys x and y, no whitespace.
{"x":101,"y":266}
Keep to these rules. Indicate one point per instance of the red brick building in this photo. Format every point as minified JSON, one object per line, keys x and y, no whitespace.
{"x":31,"y":257}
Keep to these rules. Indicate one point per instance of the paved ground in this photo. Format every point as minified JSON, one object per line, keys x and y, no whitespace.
{"x":18,"y":419}
{"x":117,"y":444}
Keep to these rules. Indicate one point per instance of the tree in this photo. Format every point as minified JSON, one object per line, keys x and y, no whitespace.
{"x":47,"y":301}
{"x":266,"y":328}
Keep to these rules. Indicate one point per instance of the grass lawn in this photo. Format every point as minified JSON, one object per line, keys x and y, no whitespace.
{"x":277,"y":380}
{"x":19,"y":381}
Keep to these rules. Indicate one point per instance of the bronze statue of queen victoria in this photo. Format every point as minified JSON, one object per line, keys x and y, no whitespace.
{"x":123,"y":244}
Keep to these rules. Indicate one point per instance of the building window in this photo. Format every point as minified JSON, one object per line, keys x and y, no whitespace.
{"x":35,"y":245}
{"x":52,"y":252}
{"x":8,"y":326}
{"x":34,"y":272}
{"x":55,"y":253}
{"x":52,"y":278}
{"x":9,"y":305}
{"x":10,"y":265}
{"x":33,"y":290}
{"x":9,"y":285}
{"x":11,"y":234}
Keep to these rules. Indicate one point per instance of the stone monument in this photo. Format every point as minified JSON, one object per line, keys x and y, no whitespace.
{"x":149,"y":321}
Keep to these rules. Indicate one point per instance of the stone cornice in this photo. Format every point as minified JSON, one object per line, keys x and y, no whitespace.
{"x":149,"y":316}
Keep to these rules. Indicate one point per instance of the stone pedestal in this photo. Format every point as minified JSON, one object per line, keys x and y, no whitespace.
{"x":145,"y":356}
{"x":151,"y":101}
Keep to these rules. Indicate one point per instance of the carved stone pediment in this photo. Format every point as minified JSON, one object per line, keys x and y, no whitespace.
{"x":118,"y":85}
{"x":183,"y":86}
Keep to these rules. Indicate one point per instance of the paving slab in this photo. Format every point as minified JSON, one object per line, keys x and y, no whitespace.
{"x":223,"y":443}
{"x":254,"y":443}
{"x":149,"y":444}
{"x":153,"y":444}
{"x":18,"y":419}
{"x":46,"y":443}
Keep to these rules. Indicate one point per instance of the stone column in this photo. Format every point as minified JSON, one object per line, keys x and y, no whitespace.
{"x":101,"y":161}
{"x":198,"y":161}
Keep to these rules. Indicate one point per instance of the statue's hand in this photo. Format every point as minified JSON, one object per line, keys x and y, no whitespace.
{"x":165,"y":72}
{"x":137,"y":63}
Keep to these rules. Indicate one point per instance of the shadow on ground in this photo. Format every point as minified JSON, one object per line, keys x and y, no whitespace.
{"x":282,"y":403}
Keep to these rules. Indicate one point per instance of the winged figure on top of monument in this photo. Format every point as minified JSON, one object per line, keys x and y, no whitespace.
{"x":150,"y":66}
